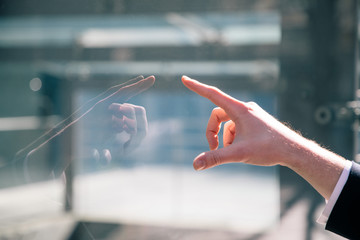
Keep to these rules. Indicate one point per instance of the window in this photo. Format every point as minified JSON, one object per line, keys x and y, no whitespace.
{"x":55,"y":60}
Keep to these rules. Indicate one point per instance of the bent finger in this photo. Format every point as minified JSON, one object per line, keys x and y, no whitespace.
{"x":229,"y":133}
{"x":120,"y":110}
{"x":124,"y":93}
{"x":117,"y":124}
{"x":217,"y":116}
{"x":141,"y":119}
{"x":141,"y":128}
{"x":130,"y":125}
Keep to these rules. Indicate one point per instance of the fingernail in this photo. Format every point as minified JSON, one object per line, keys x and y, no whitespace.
{"x":184,"y":77}
{"x":199,"y":164}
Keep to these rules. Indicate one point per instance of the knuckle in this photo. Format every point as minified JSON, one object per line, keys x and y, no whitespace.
{"x":209,"y":135}
{"x":252,"y":104}
{"x":140,"y":110}
{"x":132,"y":110}
{"x":212,"y":139}
{"x":216,"y":110}
{"x":114,"y":107}
{"x":228,"y":124}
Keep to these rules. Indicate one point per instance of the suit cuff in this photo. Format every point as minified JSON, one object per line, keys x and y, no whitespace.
{"x":335,"y":194}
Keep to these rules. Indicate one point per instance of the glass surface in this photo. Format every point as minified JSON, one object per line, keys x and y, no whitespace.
{"x":67,"y":157}
{"x":156,"y":185}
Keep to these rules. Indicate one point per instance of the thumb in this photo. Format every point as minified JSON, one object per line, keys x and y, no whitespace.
{"x":217,"y":157}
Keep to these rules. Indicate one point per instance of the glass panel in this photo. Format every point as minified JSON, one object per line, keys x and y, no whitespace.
{"x":155,"y":183}
{"x":68,"y":149}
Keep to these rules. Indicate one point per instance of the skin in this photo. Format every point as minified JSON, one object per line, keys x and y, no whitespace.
{"x":253,"y":136}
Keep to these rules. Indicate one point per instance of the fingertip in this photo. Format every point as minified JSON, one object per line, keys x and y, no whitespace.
{"x":151,"y":79}
{"x":190,"y":83}
{"x":184,"y":79}
{"x":199,"y":163}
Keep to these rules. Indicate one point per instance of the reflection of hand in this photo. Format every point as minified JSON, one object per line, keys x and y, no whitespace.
{"x":94,"y":113}
{"x":253,"y":136}
{"x":125,"y":118}
{"x":110,"y":118}
{"x":131,"y":119}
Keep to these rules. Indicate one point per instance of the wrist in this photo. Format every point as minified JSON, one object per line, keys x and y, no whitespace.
{"x":319,"y":166}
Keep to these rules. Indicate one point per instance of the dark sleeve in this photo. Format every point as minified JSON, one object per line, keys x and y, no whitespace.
{"x":345,"y":216}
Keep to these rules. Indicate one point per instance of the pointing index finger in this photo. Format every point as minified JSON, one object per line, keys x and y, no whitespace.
{"x":215,"y":95}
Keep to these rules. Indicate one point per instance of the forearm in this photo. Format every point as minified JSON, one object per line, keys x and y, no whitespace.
{"x":320,"y":167}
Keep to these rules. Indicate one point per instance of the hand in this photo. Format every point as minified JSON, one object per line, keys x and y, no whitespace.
{"x":250,"y":135}
{"x":253,"y":136}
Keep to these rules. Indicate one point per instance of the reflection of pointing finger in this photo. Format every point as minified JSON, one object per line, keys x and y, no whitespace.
{"x":129,"y":91}
{"x":219,"y":98}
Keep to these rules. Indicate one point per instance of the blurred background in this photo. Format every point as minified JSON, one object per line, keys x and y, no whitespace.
{"x":296,"y":59}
